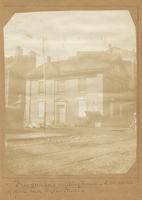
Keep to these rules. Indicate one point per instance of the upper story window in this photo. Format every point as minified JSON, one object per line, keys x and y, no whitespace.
{"x":82,"y":85}
{"x":60,"y":86}
{"x":118,"y":70}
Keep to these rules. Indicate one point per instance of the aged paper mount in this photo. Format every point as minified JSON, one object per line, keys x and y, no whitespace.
{"x":70,"y":114}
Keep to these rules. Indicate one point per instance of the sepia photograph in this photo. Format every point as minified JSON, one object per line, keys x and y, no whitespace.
{"x":70,"y":93}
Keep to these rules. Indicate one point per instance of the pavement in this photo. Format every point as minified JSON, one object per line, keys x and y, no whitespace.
{"x":100,"y":151}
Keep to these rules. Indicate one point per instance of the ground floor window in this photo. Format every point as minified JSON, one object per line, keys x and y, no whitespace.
{"x":41,"y":109}
{"x":82,"y":108}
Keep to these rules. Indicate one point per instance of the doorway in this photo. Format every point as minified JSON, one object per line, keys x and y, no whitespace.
{"x":60,"y":113}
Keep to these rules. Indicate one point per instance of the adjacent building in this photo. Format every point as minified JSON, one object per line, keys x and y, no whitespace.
{"x":16,"y":67}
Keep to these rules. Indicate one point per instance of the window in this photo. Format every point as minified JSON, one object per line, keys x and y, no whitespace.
{"x":82,"y":85}
{"x":82,"y":108}
{"x":41,"y":87}
{"x":60,"y":86}
{"x":41,"y":109}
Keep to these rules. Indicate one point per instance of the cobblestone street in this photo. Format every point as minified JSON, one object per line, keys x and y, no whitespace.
{"x":101,"y":151}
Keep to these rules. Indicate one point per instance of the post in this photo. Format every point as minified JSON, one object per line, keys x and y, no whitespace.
{"x":44,"y":79}
{"x":30,"y":101}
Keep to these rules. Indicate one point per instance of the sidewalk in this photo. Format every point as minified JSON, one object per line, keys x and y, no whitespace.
{"x":40,"y":134}
{"x":33,"y":135}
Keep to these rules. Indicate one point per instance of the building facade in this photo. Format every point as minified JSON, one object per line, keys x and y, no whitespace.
{"x":66,"y":100}
{"x":88,"y":89}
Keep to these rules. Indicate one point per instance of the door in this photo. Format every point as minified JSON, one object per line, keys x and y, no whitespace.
{"x":60,"y":114}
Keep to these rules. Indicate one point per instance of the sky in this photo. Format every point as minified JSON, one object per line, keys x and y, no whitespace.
{"x":66,"y":32}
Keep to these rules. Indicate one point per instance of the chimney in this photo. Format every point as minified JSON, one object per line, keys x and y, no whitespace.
{"x":18,"y":52}
{"x":110,"y":47}
{"x":32,"y":55}
{"x":48,"y":60}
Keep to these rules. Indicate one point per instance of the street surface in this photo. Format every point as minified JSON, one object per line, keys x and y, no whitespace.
{"x":100,"y":151}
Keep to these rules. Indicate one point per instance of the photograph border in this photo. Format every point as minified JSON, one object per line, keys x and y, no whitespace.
{"x":136,"y":12}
